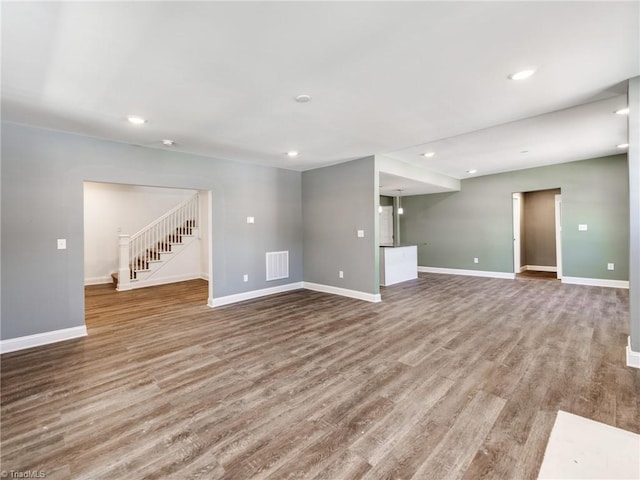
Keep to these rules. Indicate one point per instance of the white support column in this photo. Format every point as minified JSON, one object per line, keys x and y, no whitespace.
{"x":124,"y":272}
{"x":633,"y":348}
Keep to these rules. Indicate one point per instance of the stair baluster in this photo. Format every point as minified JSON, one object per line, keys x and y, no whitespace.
{"x":147,"y":245}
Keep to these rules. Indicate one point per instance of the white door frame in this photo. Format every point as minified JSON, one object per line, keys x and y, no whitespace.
{"x":517,"y":206}
{"x":558,"y":216}
{"x":209,"y":214}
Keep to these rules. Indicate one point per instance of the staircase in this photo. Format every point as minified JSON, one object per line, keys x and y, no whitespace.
{"x":143,"y":254}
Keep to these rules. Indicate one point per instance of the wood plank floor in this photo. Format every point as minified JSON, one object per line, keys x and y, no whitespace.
{"x":448,"y":378}
{"x":538,"y":274}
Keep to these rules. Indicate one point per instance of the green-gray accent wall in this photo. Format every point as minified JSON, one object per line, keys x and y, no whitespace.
{"x":386,"y":201}
{"x":451,"y":229}
{"x":337,"y":201}
{"x":42,"y":200}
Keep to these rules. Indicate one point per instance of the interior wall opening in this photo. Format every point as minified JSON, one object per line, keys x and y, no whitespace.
{"x":537,"y":233}
{"x":138,"y":236}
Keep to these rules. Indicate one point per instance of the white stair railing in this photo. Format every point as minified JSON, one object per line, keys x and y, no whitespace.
{"x":137,"y":250}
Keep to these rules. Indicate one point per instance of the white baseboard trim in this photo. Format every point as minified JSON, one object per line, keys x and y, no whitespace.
{"x":471,"y":273}
{"x":204,"y":276}
{"x":98,"y":280}
{"x":596,"y":282}
{"x":29,"y":341}
{"x":633,"y":358}
{"x":241,"y":297}
{"x":368,"y":297}
{"x":152,"y":282}
{"x":540,"y":268}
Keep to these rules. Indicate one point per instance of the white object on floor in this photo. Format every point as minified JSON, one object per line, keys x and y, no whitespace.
{"x":580,"y":448}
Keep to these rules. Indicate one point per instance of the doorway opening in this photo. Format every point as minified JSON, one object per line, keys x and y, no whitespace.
{"x":537,"y":234}
{"x":115,"y":213}
{"x":386,"y":225}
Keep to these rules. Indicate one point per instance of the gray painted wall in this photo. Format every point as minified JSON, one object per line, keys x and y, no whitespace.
{"x":539,"y":228}
{"x":337,"y":201}
{"x":42,"y":200}
{"x":452,"y":228}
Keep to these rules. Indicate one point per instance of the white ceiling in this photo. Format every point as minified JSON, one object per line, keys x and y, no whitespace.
{"x":398,"y":186}
{"x":393,"y":78}
{"x":586,"y":131}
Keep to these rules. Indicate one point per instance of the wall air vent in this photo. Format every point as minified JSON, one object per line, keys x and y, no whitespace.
{"x":277,"y":265}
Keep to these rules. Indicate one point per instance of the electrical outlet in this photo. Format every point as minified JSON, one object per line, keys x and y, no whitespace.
{"x":340,"y":274}
{"x":251,"y":220}
{"x":360,"y":233}
{"x":610,"y":266}
{"x":245,"y":278}
{"x":475,"y":259}
{"x":62,"y":244}
{"x":583,"y":227}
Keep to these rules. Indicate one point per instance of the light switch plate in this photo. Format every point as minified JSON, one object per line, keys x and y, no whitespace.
{"x":245,"y":278}
{"x":360,"y":233}
{"x":583,"y":227}
{"x":62,"y":244}
{"x":251,"y":220}
{"x":610,"y":266}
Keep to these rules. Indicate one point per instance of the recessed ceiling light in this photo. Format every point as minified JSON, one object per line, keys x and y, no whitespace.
{"x":136,"y":120}
{"x":292,"y":154}
{"x":623,"y":145}
{"x":472,"y":171}
{"x":168,"y":143}
{"x":303,"y":98}
{"x":522,"y":75}
{"x":623,"y":111}
{"x":428,"y":154}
